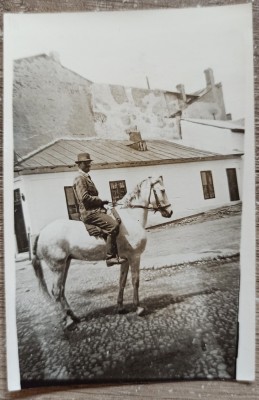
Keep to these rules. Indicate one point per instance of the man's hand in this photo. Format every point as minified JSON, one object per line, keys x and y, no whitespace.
{"x":105,"y":202}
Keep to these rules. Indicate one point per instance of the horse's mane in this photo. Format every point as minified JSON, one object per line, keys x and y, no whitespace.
{"x":133,"y":195}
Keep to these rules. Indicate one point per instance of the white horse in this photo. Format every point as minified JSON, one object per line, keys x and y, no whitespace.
{"x":63,"y":240}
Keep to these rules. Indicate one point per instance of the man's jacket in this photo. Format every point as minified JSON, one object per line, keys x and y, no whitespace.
{"x":87,"y":196}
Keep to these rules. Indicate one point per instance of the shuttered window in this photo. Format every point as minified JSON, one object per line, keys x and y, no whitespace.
{"x":118,"y":190}
{"x":72,"y":207}
{"x":207,"y":184}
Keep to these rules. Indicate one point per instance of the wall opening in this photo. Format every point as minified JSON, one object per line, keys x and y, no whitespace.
{"x":19,"y":224}
{"x":232,"y":184}
{"x":118,"y":190}
{"x":207,"y":185}
{"x":72,"y":206}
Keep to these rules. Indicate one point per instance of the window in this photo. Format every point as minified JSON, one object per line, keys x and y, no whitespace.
{"x":118,"y":190}
{"x":207,"y":184}
{"x":72,"y":207}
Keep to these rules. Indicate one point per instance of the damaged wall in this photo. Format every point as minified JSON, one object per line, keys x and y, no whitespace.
{"x":209,"y":106}
{"x":118,"y":108}
{"x":49,"y":101}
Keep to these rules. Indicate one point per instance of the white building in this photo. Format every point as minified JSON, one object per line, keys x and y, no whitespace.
{"x":224,"y":137}
{"x":195,"y":180}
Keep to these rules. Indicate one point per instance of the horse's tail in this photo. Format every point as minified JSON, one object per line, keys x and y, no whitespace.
{"x":36,"y":263}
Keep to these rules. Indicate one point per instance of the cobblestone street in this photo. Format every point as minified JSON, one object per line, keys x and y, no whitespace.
{"x":188,"y":330}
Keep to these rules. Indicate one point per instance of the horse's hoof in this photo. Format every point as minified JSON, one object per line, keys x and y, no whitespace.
{"x":140,"y":311}
{"x":71,"y":315}
{"x":122,"y":310}
{"x":69,"y":325}
{"x":76,"y":319}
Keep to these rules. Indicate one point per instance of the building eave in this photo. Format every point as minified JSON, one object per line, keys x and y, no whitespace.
{"x":220,"y":124}
{"x":129,"y":164}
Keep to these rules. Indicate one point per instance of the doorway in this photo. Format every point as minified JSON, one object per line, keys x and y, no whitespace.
{"x":232,"y":184}
{"x":19,"y":224}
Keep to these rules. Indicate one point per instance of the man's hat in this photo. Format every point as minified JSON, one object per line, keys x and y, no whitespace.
{"x":83,"y":157}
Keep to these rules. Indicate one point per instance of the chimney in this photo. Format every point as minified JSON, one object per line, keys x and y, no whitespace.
{"x":134,"y":135}
{"x":229,"y":116}
{"x":181,"y":89}
{"x":209,"y":77}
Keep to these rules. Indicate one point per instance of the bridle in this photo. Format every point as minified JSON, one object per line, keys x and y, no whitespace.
{"x":158,"y":207}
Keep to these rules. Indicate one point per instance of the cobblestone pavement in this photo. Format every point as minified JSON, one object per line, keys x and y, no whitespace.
{"x":188,"y":329}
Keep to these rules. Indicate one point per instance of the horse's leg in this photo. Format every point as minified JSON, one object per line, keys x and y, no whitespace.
{"x":123,"y":279}
{"x":58,"y":292}
{"x":134,"y":266}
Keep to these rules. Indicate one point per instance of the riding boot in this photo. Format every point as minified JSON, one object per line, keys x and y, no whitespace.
{"x":112,"y":257}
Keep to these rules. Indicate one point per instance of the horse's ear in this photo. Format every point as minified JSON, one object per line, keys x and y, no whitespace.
{"x":161,"y":177}
{"x":152,"y":180}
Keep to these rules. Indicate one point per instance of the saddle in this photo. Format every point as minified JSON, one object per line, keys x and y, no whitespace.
{"x":94,"y":230}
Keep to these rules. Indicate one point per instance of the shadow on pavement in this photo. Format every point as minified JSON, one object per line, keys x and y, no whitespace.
{"x":155,"y":303}
{"x":151,"y":304}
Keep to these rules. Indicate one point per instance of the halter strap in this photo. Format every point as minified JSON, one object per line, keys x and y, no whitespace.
{"x":155,"y":209}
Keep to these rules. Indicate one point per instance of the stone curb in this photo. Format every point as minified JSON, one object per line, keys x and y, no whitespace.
{"x":191,"y":258}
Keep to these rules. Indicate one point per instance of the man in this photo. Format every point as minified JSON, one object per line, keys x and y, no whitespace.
{"x":92,"y":210}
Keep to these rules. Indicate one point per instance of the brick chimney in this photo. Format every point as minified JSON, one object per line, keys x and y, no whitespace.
{"x":229,"y":116}
{"x":181,"y":89}
{"x":134,"y":135}
{"x":209,"y":77}
{"x":136,"y":139}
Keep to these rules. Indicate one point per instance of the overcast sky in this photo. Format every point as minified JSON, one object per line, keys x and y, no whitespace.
{"x":168,"y":46}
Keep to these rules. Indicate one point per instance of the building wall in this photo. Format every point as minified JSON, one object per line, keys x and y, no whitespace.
{"x":211,"y":138}
{"x":209,"y":106}
{"x":117,"y":109}
{"x":45,"y":197}
{"x":49,"y":102}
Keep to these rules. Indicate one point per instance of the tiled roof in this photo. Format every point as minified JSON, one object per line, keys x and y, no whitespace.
{"x":112,"y":153}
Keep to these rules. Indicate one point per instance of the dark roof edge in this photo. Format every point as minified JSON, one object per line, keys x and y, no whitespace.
{"x":237,"y":129}
{"x":62,"y":168}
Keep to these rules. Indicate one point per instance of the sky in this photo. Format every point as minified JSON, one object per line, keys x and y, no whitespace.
{"x":167,"y":46}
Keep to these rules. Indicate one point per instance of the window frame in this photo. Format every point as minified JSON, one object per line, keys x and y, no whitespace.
{"x":233,"y":187}
{"x":115,"y":198}
{"x":71,"y":215}
{"x":208,"y":187}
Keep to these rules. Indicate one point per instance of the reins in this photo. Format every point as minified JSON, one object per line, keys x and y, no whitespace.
{"x":155,"y":209}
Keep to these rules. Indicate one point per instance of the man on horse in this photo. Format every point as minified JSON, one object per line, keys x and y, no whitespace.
{"x":92,"y":210}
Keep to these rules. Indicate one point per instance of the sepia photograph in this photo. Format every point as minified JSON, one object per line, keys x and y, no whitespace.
{"x":128,"y":137}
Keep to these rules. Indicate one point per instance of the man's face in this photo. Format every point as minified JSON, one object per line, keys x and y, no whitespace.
{"x":85,"y":166}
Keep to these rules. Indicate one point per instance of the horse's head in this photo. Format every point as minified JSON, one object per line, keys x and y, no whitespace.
{"x":158,"y":197}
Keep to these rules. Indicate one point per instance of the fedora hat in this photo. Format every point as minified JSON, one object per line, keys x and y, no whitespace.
{"x":83,"y":157}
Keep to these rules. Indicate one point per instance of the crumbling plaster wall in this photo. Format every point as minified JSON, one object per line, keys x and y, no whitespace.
{"x":49,"y":101}
{"x":117,"y":109}
{"x":209,"y":106}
